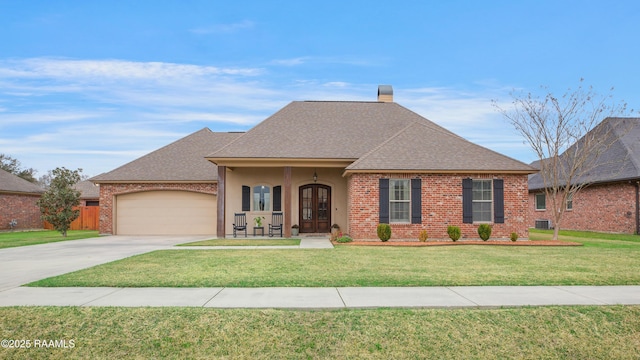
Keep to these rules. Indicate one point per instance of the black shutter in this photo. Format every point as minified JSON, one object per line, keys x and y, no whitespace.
{"x":384,"y":201}
{"x":277,"y":198}
{"x":416,"y":201}
{"x":498,"y":201}
{"x":467,"y":201}
{"x":246,"y":198}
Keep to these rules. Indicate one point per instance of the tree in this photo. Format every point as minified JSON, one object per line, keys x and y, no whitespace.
{"x":9,"y":164}
{"x":563,"y":133}
{"x":57,"y":203}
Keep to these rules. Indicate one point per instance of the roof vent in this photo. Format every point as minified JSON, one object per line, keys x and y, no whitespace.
{"x":385,"y":93}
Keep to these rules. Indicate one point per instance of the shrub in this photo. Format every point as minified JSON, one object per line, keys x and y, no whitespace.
{"x":344,"y":239}
{"x":423,"y":236}
{"x":513,"y":236}
{"x":454,"y":232}
{"x":384,"y":232}
{"x":484,"y":230}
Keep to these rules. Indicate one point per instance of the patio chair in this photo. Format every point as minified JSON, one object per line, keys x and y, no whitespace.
{"x":240,"y":223}
{"x":276,"y":223}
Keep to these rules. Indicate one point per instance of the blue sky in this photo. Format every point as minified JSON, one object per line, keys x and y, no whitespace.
{"x":96,"y":84}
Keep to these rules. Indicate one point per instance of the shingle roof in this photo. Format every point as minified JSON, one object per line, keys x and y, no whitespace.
{"x":421,"y":147}
{"x":621,"y":161}
{"x":88,"y":190}
{"x":182,"y":160}
{"x":322,"y":130}
{"x":379,"y":135}
{"x":12,"y":183}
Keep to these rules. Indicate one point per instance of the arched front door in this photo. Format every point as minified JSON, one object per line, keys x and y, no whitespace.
{"x":315,"y":208}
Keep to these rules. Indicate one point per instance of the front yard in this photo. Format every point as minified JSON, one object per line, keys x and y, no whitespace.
{"x":568,"y":332}
{"x":24,"y":238}
{"x":598,"y":262}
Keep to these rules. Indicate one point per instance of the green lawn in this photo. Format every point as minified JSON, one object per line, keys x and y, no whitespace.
{"x":24,"y":238}
{"x":245,"y":242}
{"x":603,"y":332}
{"x":598,"y":262}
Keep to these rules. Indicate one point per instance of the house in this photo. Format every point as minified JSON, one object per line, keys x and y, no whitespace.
{"x":351,"y":163}
{"x":89,"y":193}
{"x":18,"y":201}
{"x":611,"y":201}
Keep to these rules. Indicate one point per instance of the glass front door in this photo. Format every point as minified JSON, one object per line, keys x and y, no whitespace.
{"x":315,"y":208}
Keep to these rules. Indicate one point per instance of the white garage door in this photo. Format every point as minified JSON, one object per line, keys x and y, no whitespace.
{"x":166,"y":213}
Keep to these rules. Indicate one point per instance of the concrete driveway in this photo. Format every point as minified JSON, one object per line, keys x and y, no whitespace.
{"x":21,"y":265}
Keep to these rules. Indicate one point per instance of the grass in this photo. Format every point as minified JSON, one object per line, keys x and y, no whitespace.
{"x":598,"y":262}
{"x":603,"y":332}
{"x":567,"y":235}
{"x":245,"y":242}
{"x":25,"y":238}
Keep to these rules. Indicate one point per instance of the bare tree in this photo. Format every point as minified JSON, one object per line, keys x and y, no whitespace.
{"x":563,"y":133}
{"x":14,"y":166}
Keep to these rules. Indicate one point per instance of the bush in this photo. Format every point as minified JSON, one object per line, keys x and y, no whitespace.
{"x":454,"y":232}
{"x":344,"y":239}
{"x":423,"y":236}
{"x":484,"y":230}
{"x":513,"y":236}
{"x":384,"y":232}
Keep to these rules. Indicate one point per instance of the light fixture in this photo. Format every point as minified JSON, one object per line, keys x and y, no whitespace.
{"x":315,"y":176}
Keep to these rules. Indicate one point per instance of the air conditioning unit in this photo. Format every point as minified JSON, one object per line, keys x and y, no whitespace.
{"x":543,"y":224}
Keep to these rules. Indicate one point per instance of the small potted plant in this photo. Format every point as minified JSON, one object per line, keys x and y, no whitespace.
{"x":294,"y":230}
{"x":335,"y":229}
{"x":258,"y":220}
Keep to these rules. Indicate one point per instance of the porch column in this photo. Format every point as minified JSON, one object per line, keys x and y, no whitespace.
{"x":222,"y":194}
{"x":287,"y":201}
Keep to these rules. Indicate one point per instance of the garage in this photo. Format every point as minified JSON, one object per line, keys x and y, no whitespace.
{"x":166,"y":213}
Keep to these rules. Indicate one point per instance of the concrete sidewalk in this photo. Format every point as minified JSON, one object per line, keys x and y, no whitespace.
{"x":326,"y":298}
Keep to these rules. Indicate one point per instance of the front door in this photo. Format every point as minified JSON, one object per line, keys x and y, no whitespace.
{"x":315,"y":208}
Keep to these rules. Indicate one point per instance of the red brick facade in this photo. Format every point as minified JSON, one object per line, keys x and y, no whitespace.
{"x":108,"y":192}
{"x":21,"y":207}
{"x":605,"y":208}
{"x":441,"y":206}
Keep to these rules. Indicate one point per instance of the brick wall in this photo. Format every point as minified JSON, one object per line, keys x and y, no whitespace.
{"x":21,"y":207}
{"x":441,"y":206}
{"x":605,"y":208}
{"x":108,"y":192}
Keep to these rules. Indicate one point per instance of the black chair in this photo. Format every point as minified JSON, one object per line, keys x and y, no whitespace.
{"x":276,"y":223}
{"x":240,"y":223}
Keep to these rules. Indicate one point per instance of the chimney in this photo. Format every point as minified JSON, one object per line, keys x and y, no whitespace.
{"x":385,"y":93}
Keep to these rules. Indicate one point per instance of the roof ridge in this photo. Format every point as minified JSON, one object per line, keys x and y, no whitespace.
{"x":377,"y":147}
{"x":152,"y":152}
{"x":260,"y":124}
{"x":635,"y":122}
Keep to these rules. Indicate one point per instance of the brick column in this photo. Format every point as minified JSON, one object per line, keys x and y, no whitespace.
{"x":222,"y":194}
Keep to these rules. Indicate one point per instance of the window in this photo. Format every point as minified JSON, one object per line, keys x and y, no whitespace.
{"x":541,"y":201}
{"x":570,"y":202}
{"x":261,"y":198}
{"x":482,"y":201}
{"x":399,"y":200}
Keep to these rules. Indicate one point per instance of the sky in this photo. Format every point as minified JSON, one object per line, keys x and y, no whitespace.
{"x":96,"y":84}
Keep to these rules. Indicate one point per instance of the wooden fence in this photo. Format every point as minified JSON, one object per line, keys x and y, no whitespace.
{"x":89,"y":219}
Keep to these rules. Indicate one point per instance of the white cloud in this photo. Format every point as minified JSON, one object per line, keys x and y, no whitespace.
{"x":62,"y":69}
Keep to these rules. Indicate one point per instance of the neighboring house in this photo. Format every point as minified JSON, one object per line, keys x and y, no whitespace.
{"x":89,"y":193}
{"x":18,"y":201}
{"x":352,"y":163}
{"x":611,"y":203}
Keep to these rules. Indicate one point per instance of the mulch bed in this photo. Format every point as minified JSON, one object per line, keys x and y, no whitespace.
{"x":461,"y":243}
